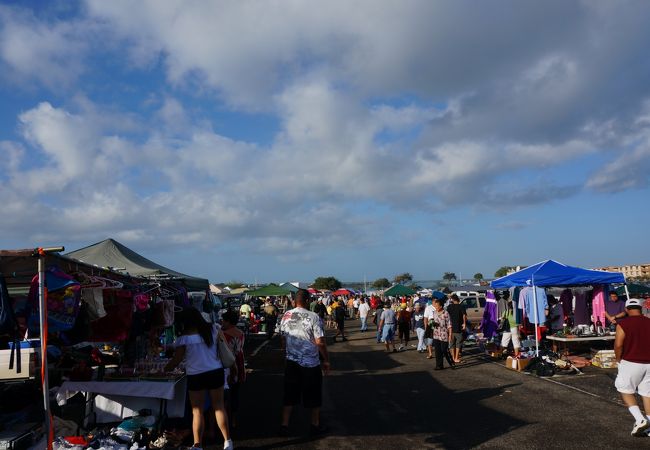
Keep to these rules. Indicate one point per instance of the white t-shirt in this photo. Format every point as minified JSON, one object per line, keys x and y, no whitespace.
{"x":364,"y":308}
{"x":301,"y":328}
{"x":428,"y":312}
{"x":199,"y":358}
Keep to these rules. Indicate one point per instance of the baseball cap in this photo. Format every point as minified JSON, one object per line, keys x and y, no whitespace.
{"x":633,"y":302}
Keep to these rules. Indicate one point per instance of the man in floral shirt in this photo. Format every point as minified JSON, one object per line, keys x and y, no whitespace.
{"x":441,"y":325}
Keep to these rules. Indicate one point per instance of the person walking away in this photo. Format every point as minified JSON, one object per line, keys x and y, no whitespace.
{"x":339,"y":318}
{"x":387,"y":325}
{"x":235,"y":339}
{"x":355,"y":305}
{"x":511,"y":330}
{"x":441,"y":334}
{"x":330,"y":315}
{"x":303,"y":340}
{"x":197,"y":346}
{"x":458,"y":318}
{"x":428,"y":328}
{"x":271,"y":317}
{"x":377,"y":319}
{"x":350,"y":304}
{"x":321,"y":310}
{"x":633,"y":355}
{"x":364,"y":310}
{"x":417,"y":323}
{"x":403,"y":326}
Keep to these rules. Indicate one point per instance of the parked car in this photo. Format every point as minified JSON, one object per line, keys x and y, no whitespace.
{"x":474,"y":306}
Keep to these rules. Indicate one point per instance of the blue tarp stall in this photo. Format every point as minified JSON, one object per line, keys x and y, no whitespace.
{"x":553,"y":273}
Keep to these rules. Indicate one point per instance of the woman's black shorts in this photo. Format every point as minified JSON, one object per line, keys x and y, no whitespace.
{"x":303,"y":382}
{"x":212,"y":379}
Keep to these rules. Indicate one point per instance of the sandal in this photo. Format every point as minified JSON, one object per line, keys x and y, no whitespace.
{"x":429,"y":357}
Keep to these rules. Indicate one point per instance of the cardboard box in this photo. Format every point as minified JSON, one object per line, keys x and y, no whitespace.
{"x":497,"y":354}
{"x":28,"y":359}
{"x":516,"y":364}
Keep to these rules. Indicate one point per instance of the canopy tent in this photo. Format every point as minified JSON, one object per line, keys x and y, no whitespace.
{"x":399,"y":289}
{"x":343,"y":291}
{"x":553,"y":273}
{"x":633,"y":289}
{"x":268,"y":291}
{"x":111,"y":254}
{"x":289,"y":287}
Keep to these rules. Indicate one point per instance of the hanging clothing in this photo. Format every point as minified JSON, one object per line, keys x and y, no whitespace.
{"x":489,"y":323}
{"x":598,"y":304}
{"x":542,"y":305}
{"x":581,"y":311}
{"x":514,"y":298}
{"x":566,"y":298}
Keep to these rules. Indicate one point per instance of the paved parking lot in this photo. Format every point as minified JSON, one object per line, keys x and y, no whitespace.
{"x":375,"y":399}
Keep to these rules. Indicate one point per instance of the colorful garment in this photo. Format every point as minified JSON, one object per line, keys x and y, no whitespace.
{"x":489,"y":323}
{"x":440,"y":324}
{"x":598,"y":304}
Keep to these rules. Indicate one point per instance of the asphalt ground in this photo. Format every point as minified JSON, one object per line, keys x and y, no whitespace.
{"x":374,"y":400}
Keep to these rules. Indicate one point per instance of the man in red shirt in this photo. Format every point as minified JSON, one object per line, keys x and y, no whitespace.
{"x":633,"y":356}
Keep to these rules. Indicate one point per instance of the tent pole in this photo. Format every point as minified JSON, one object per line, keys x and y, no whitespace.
{"x":627,"y":293}
{"x":43,"y":329}
{"x":42,"y":312}
{"x":536,"y":318}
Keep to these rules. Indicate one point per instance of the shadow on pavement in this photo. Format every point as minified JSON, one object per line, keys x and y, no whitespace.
{"x":401,"y":409}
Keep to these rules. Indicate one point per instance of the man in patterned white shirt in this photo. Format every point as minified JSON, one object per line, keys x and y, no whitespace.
{"x":304,"y":340}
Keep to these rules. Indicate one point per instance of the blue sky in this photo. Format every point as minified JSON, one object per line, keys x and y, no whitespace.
{"x":286,"y":140}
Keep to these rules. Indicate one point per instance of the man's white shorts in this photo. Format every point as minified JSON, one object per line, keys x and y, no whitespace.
{"x":633,"y":377}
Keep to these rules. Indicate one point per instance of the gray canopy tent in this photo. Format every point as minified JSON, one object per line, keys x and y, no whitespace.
{"x":111,"y":254}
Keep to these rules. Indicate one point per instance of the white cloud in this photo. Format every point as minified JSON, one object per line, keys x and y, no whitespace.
{"x":401,"y":105}
{"x":48,"y":52}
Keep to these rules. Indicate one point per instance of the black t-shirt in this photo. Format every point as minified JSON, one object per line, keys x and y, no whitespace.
{"x":456,"y":312}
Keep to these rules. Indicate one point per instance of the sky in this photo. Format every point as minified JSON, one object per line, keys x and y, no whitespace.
{"x":284,"y":140}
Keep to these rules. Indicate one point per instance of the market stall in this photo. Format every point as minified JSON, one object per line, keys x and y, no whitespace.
{"x":554,"y":274}
{"x":101,"y":331}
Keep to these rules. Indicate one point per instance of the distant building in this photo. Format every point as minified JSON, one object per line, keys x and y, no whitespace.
{"x":630,"y":271}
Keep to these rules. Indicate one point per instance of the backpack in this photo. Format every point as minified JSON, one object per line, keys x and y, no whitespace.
{"x":9,"y":325}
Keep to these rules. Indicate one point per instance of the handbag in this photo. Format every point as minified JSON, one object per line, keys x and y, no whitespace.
{"x":223,"y":351}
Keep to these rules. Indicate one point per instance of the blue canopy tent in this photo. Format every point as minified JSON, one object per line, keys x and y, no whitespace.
{"x":553,"y":273}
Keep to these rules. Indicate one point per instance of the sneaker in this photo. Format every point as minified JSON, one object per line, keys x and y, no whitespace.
{"x":228,"y":445}
{"x":394,"y":350}
{"x":196,"y":447}
{"x":640,"y":428}
{"x":283,"y":431}
{"x":344,"y":339}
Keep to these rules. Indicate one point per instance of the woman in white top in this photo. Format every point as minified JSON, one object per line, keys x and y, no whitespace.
{"x":198,"y":347}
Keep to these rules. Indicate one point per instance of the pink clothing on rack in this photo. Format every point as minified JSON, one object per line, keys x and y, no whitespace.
{"x":598,"y":304}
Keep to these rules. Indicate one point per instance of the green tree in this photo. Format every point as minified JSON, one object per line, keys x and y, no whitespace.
{"x":403,"y":278}
{"x":503,"y":271}
{"x":381,"y":283}
{"x":478,"y":276}
{"x":448,"y":276}
{"x":329,"y":283}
